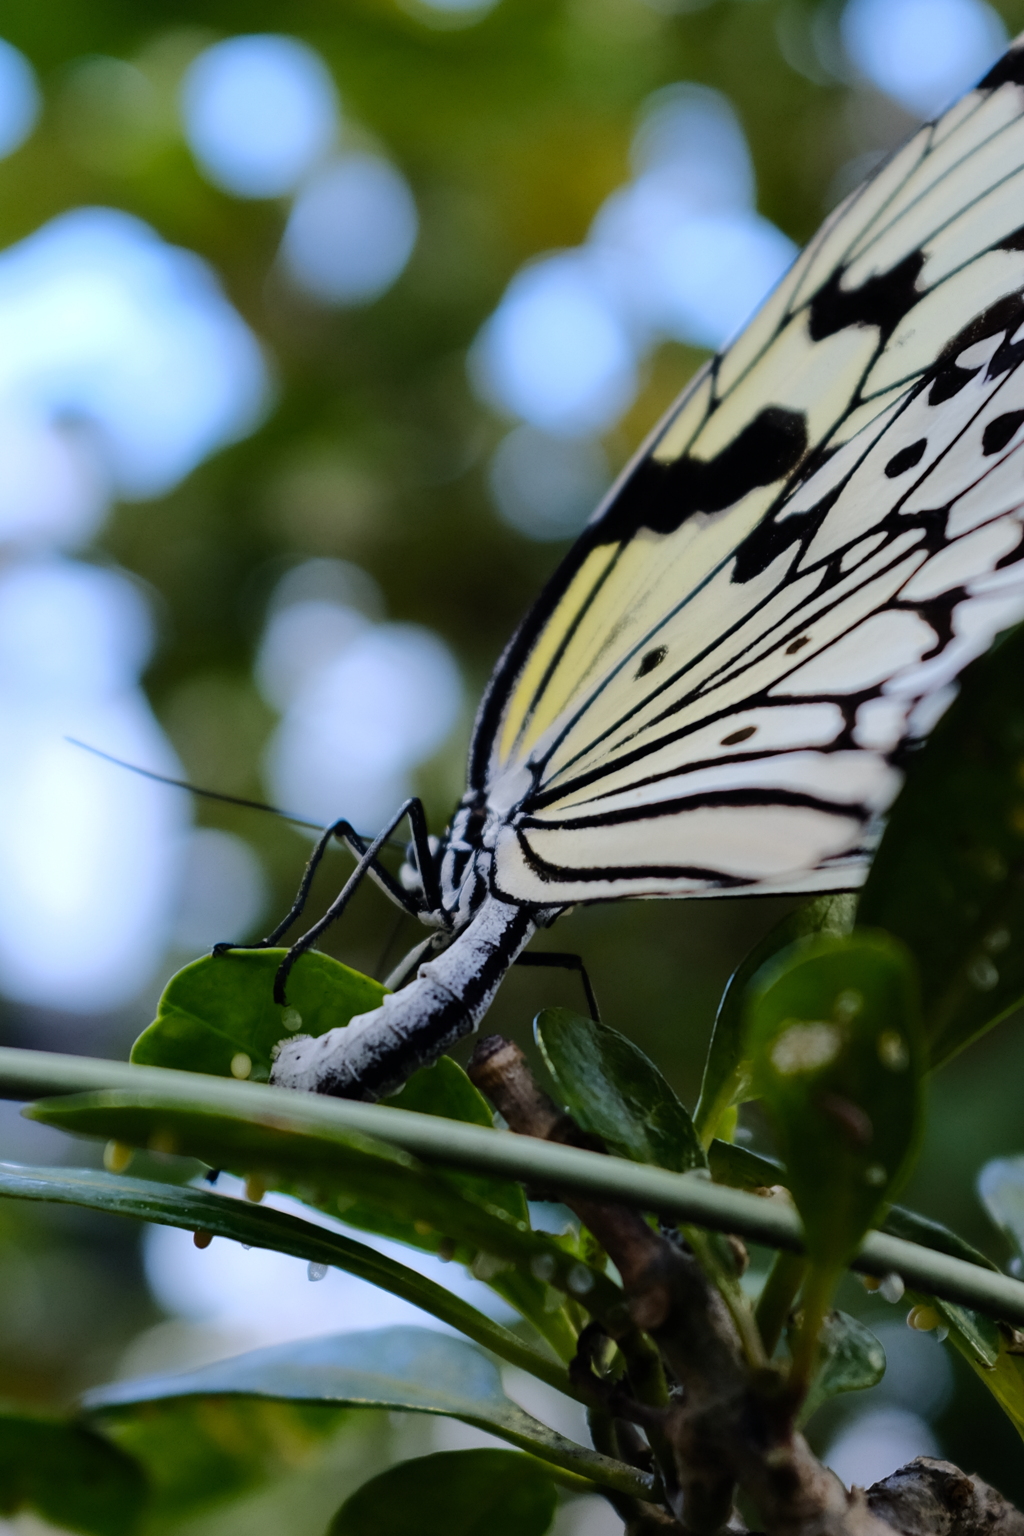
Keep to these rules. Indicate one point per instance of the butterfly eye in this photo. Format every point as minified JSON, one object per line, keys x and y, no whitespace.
{"x":651,"y":660}
{"x":738,"y":736}
{"x":998,"y":433}
{"x":906,"y":458}
{"x":797,"y":645}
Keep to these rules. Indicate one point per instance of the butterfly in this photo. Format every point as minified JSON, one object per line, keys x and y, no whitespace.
{"x":715,"y":691}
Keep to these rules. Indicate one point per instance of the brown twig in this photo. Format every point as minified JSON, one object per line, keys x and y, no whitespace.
{"x":727,"y":1421}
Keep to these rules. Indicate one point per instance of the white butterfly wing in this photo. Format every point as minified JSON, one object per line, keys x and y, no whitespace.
{"x":712,"y":693}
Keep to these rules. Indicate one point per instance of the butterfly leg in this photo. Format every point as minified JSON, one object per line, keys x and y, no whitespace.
{"x":556,"y":960}
{"x":367,"y":865}
{"x":345,"y":833}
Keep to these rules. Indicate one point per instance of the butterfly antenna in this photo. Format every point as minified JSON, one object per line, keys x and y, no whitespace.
{"x":197,"y":789}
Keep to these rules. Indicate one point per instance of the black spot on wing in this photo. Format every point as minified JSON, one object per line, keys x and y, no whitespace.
{"x":735,"y":737}
{"x":999,"y":432}
{"x":906,"y":458}
{"x":949,"y":381}
{"x":1008,"y":71}
{"x":662,"y":496}
{"x":651,"y":660}
{"x":882,"y":301}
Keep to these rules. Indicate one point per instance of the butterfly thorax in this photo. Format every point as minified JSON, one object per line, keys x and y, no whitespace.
{"x":464,"y":863}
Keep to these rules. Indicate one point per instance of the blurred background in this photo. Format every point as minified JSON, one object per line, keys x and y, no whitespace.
{"x":322,"y":329}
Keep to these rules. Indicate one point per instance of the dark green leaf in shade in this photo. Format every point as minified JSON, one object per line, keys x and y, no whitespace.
{"x":452,"y":1493}
{"x":947,"y":877}
{"x":415,"y":1370}
{"x":991,"y":1352}
{"x":726,"y":1079}
{"x":260,"y":1226}
{"x":616,"y":1092}
{"x":849,"y":1359}
{"x":70,"y":1475}
{"x":834,"y":1035}
{"x":445,"y":1089}
{"x":222,"y":1007}
{"x":742,"y":1169}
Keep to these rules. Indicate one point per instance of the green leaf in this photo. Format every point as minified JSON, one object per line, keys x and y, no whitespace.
{"x":1004,"y":1377}
{"x":849,"y":1359}
{"x":445,"y":1090}
{"x":726,"y":1079}
{"x":221,"y":1008}
{"x":205,"y":1451}
{"x":366,"y":1182}
{"x":835,"y":1040}
{"x":946,"y":879}
{"x":616,"y":1092}
{"x":453,"y":1493}
{"x":259,"y":1226}
{"x":70,"y":1475}
{"x":742,"y":1169}
{"x":413,"y":1370}
{"x":972,"y":1333}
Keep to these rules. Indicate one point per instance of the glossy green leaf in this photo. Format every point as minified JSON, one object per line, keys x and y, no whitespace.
{"x":615,"y":1092}
{"x":414,"y":1370}
{"x":849,"y":1359}
{"x":220,"y":1010}
{"x":453,"y":1493}
{"x":834,"y":1035}
{"x":260,"y":1226}
{"x":70,"y":1475}
{"x":946,"y":879}
{"x":370,"y":1184}
{"x":727,"y":1072}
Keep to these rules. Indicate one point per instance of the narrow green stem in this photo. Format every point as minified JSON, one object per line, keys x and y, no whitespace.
{"x":731,"y":1293}
{"x":817,"y":1296}
{"x":777,"y":1297}
{"x":454,"y":1144}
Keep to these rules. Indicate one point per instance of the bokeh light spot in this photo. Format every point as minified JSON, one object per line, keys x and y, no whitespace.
{"x":20,"y":101}
{"x":259,"y":111}
{"x":922,"y":53}
{"x":555,"y":351}
{"x":351,"y":231}
{"x":89,"y":852}
{"x":224,"y":891}
{"x":103,"y":324}
{"x":547,"y":487}
{"x":363,"y":703}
